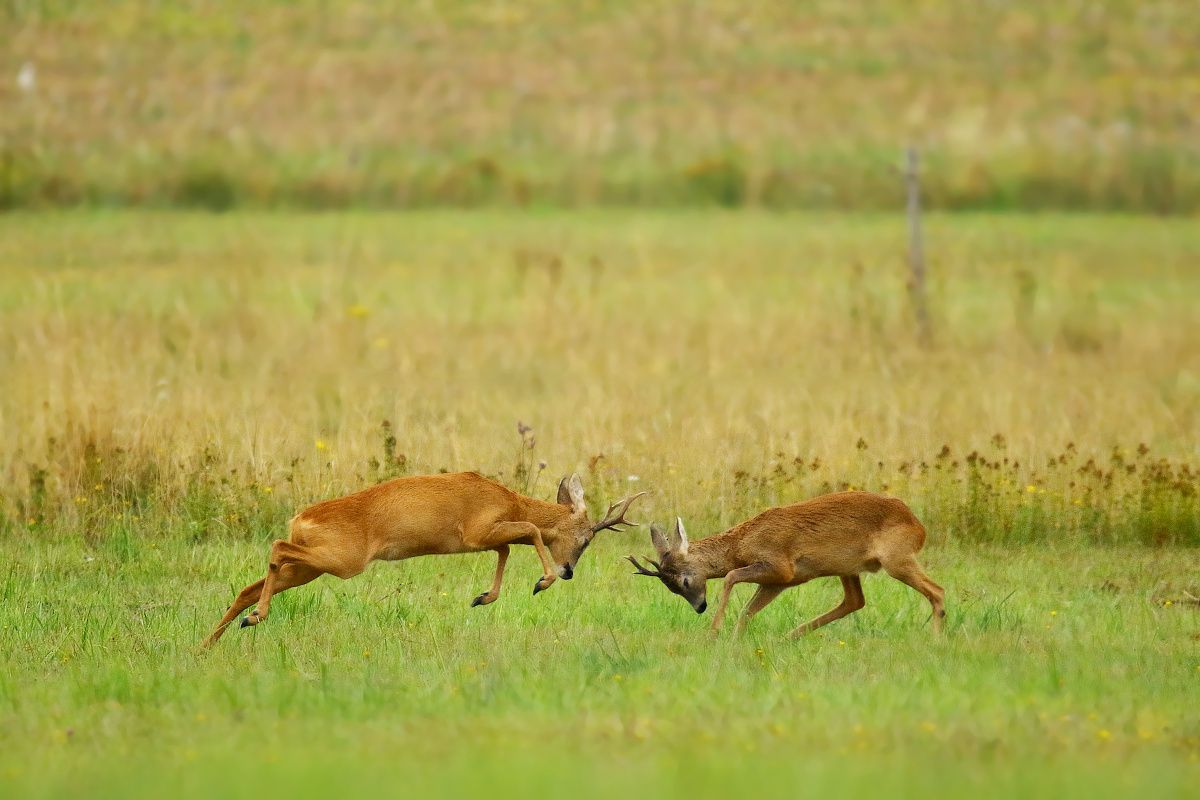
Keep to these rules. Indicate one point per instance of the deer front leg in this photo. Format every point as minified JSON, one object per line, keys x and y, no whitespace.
{"x":504,"y":533}
{"x":491,"y":595}
{"x":851,"y":602}
{"x":762,"y":597}
{"x":761,"y":572}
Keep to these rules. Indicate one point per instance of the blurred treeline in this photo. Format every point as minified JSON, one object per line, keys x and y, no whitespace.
{"x":219,"y":104}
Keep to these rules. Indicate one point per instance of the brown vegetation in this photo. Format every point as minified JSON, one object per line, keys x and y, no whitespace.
{"x":214,"y":375}
{"x":216,"y":104}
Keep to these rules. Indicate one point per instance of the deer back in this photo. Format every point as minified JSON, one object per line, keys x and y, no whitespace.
{"x":836,"y":534}
{"x":417,"y":515}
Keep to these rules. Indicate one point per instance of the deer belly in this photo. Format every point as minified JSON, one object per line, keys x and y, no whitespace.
{"x":414,"y":544}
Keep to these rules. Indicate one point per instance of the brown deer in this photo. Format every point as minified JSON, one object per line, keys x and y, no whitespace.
{"x":426,"y":515}
{"x":840,"y":535}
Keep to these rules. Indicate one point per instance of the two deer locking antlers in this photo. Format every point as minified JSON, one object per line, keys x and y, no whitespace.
{"x":838,"y":535}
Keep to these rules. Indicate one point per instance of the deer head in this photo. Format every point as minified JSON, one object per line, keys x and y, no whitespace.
{"x":573,"y":535}
{"x":674,"y":568}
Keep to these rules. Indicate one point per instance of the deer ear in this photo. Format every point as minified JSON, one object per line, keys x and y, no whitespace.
{"x":659,"y":541}
{"x":575,"y":491}
{"x":564,"y":492}
{"x":679,"y":542}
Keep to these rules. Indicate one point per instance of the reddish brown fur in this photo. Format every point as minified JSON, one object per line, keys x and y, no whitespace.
{"x":423,"y":515}
{"x":840,"y":535}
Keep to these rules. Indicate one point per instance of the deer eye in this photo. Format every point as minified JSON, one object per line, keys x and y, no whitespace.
{"x":686,"y":582}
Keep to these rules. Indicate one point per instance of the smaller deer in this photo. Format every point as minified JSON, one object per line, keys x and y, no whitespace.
{"x":840,"y":535}
{"x":426,"y":515}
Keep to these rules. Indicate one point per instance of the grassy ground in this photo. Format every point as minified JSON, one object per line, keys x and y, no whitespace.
{"x":176,"y":386}
{"x":214,"y":104}
{"x":1059,"y":672}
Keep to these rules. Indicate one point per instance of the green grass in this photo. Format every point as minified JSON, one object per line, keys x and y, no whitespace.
{"x":1060,"y":672}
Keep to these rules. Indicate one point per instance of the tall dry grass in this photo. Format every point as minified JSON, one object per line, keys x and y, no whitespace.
{"x":216,"y":104}
{"x":207,"y":374}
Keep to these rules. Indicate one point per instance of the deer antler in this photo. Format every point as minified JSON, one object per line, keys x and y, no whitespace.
{"x":612,"y":521}
{"x":642,"y":570}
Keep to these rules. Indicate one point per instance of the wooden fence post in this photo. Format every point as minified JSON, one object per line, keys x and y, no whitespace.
{"x":916,"y":247}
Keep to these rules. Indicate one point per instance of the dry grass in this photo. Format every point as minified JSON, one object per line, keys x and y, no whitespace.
{"x":727,"y":361}
{"x":215,"y":103}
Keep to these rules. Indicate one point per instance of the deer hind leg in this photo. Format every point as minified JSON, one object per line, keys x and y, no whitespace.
{"x":853,"y":601}
{"x":288,"y":576}
{"x":907,"y":570}
{"x":246,"y":598}
{"x":492,"y":594}
{"x":295,"y":565}
{"x":762,"y":597}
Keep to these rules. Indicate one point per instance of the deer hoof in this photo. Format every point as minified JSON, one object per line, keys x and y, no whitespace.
{"x":540,"y":585}
{"x":247,"y":621}
{"x":478,"y":601}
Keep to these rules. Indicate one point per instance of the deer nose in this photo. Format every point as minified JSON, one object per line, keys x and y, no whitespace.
{"x":567,"y":572}
{"x":703,"y":605}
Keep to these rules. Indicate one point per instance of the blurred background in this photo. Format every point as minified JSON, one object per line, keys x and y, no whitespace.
{"x":307,"y":104}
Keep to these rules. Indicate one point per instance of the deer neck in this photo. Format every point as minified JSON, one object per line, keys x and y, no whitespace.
{"x":544,"y":515}
{"x":716,"y":556}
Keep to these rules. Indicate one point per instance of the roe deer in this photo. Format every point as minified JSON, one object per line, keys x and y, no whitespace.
{"x":426,"y":515}
{"x":839,"y":535}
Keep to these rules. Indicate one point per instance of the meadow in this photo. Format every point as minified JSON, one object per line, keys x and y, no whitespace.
{"x":177,"y":385}
{"x":296,"y":103}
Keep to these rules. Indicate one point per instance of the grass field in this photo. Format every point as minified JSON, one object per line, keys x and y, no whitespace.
{"x":297,"y":103}
{"x":1059,"y":674}
{"x":177,"y":385}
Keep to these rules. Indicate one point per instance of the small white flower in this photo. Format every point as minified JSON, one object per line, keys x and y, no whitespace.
{"x":27,"y":77}
{"x":89,"y":559}
{"x":634,"y":478}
